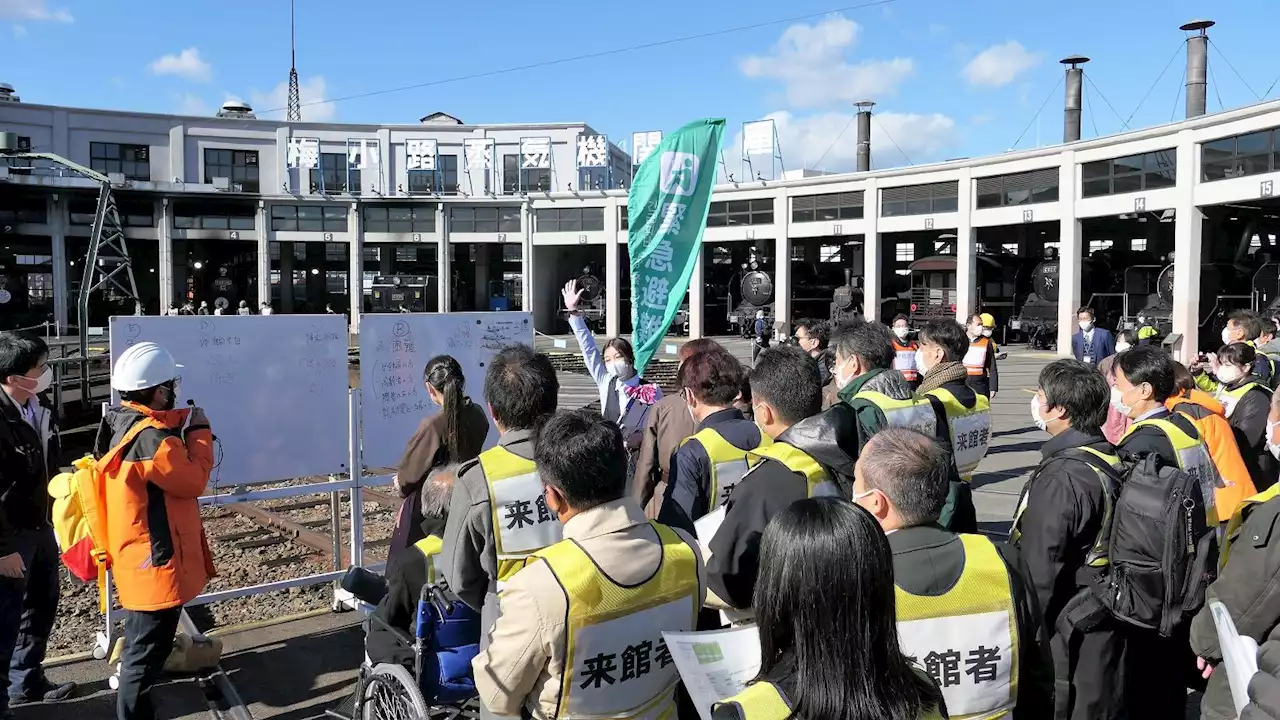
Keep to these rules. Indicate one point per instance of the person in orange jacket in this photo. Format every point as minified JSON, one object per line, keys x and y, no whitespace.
{"x":160,"y":558}
{"x":1210,"y":419}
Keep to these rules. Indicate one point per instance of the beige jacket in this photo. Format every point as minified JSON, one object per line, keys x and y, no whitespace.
{"x":522,"y":666}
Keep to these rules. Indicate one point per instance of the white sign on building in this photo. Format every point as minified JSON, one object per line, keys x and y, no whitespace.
{"x":757,"y":138}
{"x":643,"y":143}
{"x":420,"y":154}
{"x":593,"y":151}
{"x":362,"y":153}
{"x":479,"y":153}
{"x":535,"y":153}
{"x":303,"y":153}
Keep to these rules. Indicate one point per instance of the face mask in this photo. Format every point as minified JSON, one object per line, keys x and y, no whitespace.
{"x":1229,"y":374}
{"x":986,"y":332}
{"x":35,"y":386}
{"x":1086,"y":325}
{"x":1122,"y":346}
{"x":1273,"y":448}
{"x":1117,"y":402}
{"x":1226,"y":336}
{"x":842,"y":381}
{"x":921,"y":364}
{"x":901,"y":332}
{"x":975,"y":331}
{"x":620,"y":368}
{"x":1035,"y":414}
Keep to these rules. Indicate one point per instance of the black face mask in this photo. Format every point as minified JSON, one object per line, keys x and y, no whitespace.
{"x":172,"y":402}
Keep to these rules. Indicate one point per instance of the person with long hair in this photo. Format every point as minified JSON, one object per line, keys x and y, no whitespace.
{"x":825,"y":607}
{"x":454,"y":434}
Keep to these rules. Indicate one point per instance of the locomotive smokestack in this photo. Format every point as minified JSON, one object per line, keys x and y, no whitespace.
{"x":1075,"y":90}
{"x":864,"y":134}
{"x":1197,"y":66}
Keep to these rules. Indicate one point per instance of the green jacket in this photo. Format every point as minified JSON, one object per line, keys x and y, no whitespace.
{"x":870,"y":419}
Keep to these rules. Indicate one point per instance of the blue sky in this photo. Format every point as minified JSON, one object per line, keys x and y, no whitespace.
{"x":952,"y":78}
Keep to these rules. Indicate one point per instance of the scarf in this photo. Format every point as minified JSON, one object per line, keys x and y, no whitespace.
{"x":947,"y":372}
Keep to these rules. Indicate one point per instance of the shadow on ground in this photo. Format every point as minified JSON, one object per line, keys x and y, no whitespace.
{"x":300,"y":678}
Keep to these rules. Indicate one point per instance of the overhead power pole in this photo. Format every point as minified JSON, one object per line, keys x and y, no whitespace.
{"x":295,"y":100}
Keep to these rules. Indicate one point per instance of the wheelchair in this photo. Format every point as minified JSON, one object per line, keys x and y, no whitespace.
{"x":440,"y":687}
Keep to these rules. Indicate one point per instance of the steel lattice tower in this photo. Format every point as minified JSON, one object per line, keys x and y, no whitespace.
{"x":295,"y":101}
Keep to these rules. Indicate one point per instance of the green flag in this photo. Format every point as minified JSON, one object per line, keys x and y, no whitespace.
{"x":667,"y":212}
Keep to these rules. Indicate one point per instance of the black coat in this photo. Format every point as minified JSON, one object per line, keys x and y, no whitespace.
{"x":1249,"y":425}
{"x":1061,"y":512}
{"x":27,"y":462}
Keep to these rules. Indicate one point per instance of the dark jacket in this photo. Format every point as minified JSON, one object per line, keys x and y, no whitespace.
{"x":406,"y":574}
{"x":29,"y":457}
{"x":1247,"y":587}
{"x":1149,"y":440}
{"x":928,"y":560}
{"x":425,"y":449}
{"x":766,"y":491}
{"x":1103,"y":345}
{"x":958,"y":513}
{"x":669,"y":423}
{"x":688,"y":494}
{"x":1249,"y":424}
{"x":1060,"y":514}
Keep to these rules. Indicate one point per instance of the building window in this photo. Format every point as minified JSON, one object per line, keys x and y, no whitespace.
{"x":1138,"y":244}
{"x":928,"y":199}
{"x":1134,"y":173}
{"x":240,"y":166}
{"x":622,"y":218}
{"x":1036,"y":186}
{"x":740,"y":212}
{"x":485,"y":219}
{"x":335,"y":252}
{"x":400,"y":218}
{"x":309,"y":218}
{"x":1010,"y":247}
{"x":133,"y":213}
{"x":444,"y":179}
{"x":517,"y":179}
{"x":202,"y":215}
{"x":568,"y":219}
{"x":333,"y":175}
{"x":831,"y":206}
{"x":1099,"y":245}
{"x":594,"y":178}
{"x":905,"y":252}
{"x":829,"y":254}
{"x":1242,"y":155}
{"x":24,"y":209}
{"x":132,"y":160}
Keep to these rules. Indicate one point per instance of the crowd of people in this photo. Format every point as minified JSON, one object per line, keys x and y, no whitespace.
{"x":821,"y":496}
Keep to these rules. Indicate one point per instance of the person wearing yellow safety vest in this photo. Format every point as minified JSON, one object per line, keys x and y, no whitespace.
{"x":980,"y":358}
{"x":498,"y":517}
{"x":709,"y":463}
{"x":1060,"y":528}
{"x":408,"y":571}
{"x":824,"y":610}
{"x":812,"y":454}
{"x":1269,"y":349}
{"x":1156,"y":667}
{"x":1246,"y":398}
{"x":1246,"y":587}
{"x":967,"y":415}
{"x":580,"y":630}
{"x":880,"y":396}
{"x":963,"y":610}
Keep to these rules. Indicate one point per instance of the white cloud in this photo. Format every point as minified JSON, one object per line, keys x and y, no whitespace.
{"x":32,"y":10}
{"x":1000,"y":65}
{"x":311,"y":90}
{"x":194,"y":105}
{"x":810,"y":62}
{"x":804,"y":139}
{"x":186,"y":64}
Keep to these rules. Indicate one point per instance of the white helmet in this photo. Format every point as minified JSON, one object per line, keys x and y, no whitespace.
{"x":143,"y":366}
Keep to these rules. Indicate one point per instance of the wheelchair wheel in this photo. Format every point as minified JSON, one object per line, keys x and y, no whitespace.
{"x":391,"y":693}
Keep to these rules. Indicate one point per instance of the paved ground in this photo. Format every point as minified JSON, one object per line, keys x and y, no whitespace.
{"x":294,"y":671}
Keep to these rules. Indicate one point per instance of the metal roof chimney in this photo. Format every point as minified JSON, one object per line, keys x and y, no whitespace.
{"x":864,"y":134}
{"x":1075,"y":90}
{"x":1197,"y":66}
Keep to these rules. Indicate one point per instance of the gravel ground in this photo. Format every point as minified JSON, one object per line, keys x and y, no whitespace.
{"x":79,"y":619}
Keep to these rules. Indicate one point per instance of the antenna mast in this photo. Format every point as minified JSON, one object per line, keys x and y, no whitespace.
{"x":295,"y":102}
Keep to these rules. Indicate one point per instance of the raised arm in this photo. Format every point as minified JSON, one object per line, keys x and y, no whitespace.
{"x":586,"y":341}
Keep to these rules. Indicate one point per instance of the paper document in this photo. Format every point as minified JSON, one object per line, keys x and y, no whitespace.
{"x":716,"y":664}
{"x":706,"y":527}
{"x":1239,"y":654}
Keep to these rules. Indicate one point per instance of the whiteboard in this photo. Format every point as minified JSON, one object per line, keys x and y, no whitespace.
{"x":274,"y":388}
{"x":394,"y":350}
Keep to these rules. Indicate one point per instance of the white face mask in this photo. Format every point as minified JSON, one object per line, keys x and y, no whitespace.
{"x":1035,"y":413}
{"x":921,"y":364}
{"x":986,"y":332}
{"x":1226,"y":336}
{"x":1272,"y":447}
{"x":1122,"y":346}
{"x":841,"y":380}
{"x":1229,"y":373}
{"x":620,"y":368}
{"x":1086,"y":325}
{"x":1118,"y":403}
{"x":975,"y":331}
{"x":901,"y":332}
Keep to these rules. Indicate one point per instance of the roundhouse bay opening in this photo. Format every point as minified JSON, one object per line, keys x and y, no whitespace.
{"x":400,"y":259}
{"x":26,"y":260}
{"x":215,"y":253}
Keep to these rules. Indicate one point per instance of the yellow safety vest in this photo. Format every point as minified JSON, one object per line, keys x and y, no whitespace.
{"x":915,"y":412}
{"x":522,"y":522}
{"x":728,"y":462}
{"x":1230,"y":398}
{"x":967,"y":638}
{"x":616,"y":663}
{"x":1192,"y":457}
{"x":970,"y":429}
{"x":799,"y":462}
{"x":1238,"y":518}
{"x":430,"y":546}
{"x":764,"y":701}
{"x":1100,"y":554}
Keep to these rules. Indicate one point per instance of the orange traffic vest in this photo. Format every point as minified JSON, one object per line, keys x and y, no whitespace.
{"x":975,"y":359}
{"x":904,"y":360}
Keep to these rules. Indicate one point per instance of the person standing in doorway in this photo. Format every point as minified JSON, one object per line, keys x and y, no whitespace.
{"x":980,"y":359}
{"x":1091,"y":344}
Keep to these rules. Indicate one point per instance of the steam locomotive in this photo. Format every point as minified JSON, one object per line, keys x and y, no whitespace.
{"x":400,"y":293}
{"x":933,"y":291}
{"x":592,"y":304}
